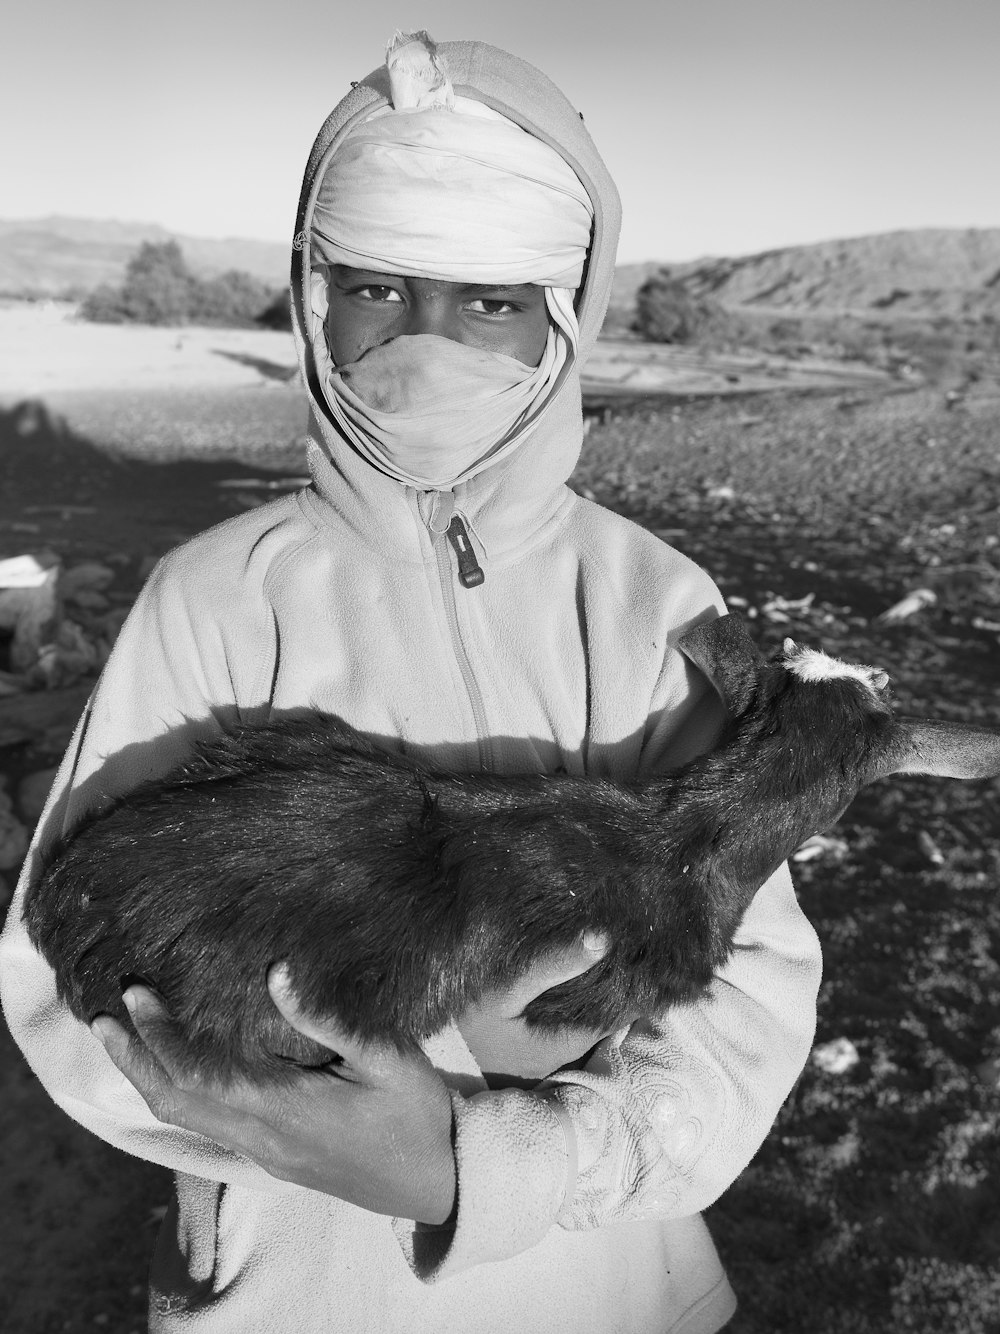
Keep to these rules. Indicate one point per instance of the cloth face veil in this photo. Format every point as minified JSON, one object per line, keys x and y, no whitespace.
{"x":446,"y":188}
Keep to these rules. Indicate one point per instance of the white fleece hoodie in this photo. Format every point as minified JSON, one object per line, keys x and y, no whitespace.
{"x":578,"y":1202}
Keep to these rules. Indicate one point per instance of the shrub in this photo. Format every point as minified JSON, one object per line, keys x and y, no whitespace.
{"x":235,"y":299}
{"x":277,"y":315}
{"x":159,"y":288}
{"x":105,"y":305}
{"x":666,"y":312}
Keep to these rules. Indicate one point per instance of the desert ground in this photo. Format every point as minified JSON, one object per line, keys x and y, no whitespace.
{"x":823,"y":494}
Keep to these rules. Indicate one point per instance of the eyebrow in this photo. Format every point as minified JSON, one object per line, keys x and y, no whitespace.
{"x":344,"y":275}
{"x":508,"y":289}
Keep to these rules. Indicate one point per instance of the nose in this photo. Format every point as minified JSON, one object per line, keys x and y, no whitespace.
{"x":433,"y":310}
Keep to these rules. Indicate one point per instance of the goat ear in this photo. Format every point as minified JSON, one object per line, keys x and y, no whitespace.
{"x":951,"y":750}
{"x":729,"y":658}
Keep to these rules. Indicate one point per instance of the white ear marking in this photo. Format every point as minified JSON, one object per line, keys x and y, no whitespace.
{"x":810,"y":665}
{"x":789,"y":646}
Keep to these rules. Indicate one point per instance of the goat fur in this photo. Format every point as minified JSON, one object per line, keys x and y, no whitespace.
{"x":399,"y":893}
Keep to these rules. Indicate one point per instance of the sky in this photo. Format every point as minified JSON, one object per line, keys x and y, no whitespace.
{"x":730,"y":126}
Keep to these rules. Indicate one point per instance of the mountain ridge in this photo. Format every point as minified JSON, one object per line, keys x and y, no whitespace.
{"x":923,"y":271}
{"x":928,"y":271}
{"x":57,"y":254}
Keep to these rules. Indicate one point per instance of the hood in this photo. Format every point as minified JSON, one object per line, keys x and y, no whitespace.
{"x":503,"y":503}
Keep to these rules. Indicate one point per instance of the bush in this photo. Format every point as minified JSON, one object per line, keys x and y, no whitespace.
{"x":235,"y":299}
{"x":278,"y":315}
{"x":159,"y":288}
{"x":666,"y":312}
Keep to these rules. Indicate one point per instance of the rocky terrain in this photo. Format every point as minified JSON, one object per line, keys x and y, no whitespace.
{"x":856,"y":510}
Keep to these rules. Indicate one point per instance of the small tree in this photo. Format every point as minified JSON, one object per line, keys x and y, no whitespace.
{"x":278,"y":313}
{"x":159,"y":288}
{"x":666,"y":312}
{"x":234,"y":299}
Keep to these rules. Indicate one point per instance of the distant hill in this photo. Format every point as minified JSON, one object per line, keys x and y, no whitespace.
{"x":52,"y":256}
{"x":930,"y":272}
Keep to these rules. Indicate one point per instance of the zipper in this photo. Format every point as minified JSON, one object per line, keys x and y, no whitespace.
{"x":470,"y":575}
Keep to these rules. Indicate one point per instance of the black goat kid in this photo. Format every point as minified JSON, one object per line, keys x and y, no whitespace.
{"x":398,"y":893}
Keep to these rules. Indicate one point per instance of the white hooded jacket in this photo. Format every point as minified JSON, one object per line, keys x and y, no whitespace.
{"x":579,"y":1202}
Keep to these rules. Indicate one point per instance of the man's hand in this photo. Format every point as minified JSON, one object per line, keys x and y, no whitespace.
{"x":375,"y":1130}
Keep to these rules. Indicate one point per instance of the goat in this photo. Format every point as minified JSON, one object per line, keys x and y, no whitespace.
{"x":398,"y":893}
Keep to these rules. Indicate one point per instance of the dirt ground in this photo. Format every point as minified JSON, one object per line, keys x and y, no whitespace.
{"x":874,"y":1206}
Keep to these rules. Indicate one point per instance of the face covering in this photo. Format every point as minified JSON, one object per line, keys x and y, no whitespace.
{"x":429,"y":411}
{"x":446,"y":188}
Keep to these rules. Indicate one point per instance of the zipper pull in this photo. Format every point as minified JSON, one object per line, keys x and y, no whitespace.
{"x":470,"y":572}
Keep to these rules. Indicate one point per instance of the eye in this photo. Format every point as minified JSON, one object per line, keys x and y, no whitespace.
{"x":492,"y":306}
{"x":378,"y":293}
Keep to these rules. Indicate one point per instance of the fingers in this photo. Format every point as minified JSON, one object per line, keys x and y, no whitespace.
{"x":138,"y":1064}
{"x":555,"y":968}
{"x":199,"y":1106}
{"x":153,"y":1025}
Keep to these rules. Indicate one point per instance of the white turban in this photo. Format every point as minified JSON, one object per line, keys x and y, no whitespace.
{"x":461,"y":194}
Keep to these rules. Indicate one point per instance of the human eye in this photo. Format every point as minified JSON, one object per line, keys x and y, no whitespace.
{"x":377,"y":292}
{"x":492,"y":306}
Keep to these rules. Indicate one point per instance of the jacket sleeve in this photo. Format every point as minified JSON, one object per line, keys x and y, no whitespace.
{"x":161,"y":688}
{"x":666,"y":1114}
{"x":662,"y":1120}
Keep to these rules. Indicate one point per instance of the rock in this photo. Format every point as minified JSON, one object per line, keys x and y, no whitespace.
{"x":14,"y":838}
{"x":781,"y":609}
{"x":836,"y":1057}
{"x":44,"y":718}
{"x":28,"y":570}
{"x":29,"y":606}
{"x":32,"y":792}
{"x":12,"y":684}
{"x":112,"y":621}
{"x":821,"y":846}
{"x":725,"y":494}
{"x":930,"y":849}
{"x":908,"y":606}
{"x":89,"y":599}
{"x":67,"y":656}
{"x":88,"y":576}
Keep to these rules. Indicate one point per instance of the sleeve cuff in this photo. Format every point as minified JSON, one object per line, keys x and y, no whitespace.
{"x":516,"y":1159}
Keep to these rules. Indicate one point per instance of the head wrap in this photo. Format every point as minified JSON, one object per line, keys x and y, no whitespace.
{"x":445,"y":187}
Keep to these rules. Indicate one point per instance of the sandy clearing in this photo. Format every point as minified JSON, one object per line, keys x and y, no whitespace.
{"x":45,"y":348}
